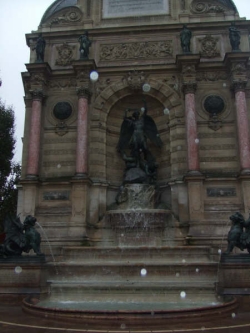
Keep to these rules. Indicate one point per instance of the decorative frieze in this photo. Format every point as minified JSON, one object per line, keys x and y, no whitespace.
{"x":221,"y":192}
{"x":69,"y":83}
{"x":137,"y":50}
{"x":38,"y":79}
{"x":212,"y":76}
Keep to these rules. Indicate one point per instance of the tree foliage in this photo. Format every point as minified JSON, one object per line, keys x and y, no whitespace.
{"x":9,"y":170}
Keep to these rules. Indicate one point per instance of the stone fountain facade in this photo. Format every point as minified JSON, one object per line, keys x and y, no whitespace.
{"x":199,"y":101}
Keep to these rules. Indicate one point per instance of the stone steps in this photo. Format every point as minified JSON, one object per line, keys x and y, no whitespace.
{"x":179,"y":254}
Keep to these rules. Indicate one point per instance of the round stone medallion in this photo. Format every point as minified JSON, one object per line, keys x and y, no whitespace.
{"x":62,"y":110}
{"x":214,"y":104}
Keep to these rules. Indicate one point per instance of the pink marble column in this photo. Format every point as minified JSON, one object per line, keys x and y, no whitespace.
{"x":82,"y":135}
{"x":191,"y":131}
{"x":243,"y":128}
{"x":35,"y":133}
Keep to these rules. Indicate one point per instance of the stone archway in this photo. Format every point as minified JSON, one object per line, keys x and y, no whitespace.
{"x":106,"y":118}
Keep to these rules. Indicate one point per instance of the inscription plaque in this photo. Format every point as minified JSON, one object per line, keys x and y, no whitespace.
{"x":56,"y":195}
{"x":221,"y":192}
{"x":127,"y":8}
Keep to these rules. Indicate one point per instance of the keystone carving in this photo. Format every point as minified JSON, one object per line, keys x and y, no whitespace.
{"x":135,"y":80}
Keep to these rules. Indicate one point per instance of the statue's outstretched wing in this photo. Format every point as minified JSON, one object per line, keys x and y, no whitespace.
{"x":14,"y":230}
{"x":151,"y":131}
{"x":126,"y":133}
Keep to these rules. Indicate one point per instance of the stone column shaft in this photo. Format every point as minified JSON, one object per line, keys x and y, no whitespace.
{"x":82,"y":137}
{"x":191,"y":131}
{"x":243,"y":130}
{"x":34,"y":137}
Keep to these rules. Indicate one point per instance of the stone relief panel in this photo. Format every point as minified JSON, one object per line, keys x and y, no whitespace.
{"x":67,"y":16}
{"x":209,"y":47}
{"x":212,"y":76}
{"x":137,"y":50}
{"x":204,"y":7}
{"x":65,"y":55}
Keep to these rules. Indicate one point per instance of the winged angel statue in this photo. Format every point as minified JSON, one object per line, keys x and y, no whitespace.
{"x":141,"y":166}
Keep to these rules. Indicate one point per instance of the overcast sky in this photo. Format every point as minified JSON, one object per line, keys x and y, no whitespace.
{"x":18,"y":17}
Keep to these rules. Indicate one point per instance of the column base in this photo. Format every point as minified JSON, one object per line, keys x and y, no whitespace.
{"x":31,"y":177}
{"x":245,"y":172}
{"x":81,"y":176}
{"x":193,"y":173}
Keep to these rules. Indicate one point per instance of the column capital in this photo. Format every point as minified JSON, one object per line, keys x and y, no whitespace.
{"x":239,"y":85}
{"x":83,"y":92}
{"x":189,"y":87}
{"x":37,"y":94}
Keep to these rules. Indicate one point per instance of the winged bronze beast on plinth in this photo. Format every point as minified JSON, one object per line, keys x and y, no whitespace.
{"x":141,"y":166}
{"x":239,"y":234}
{"x":20,"y":237}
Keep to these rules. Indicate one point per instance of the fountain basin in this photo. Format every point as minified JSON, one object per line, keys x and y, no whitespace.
{"x":110,"y":315}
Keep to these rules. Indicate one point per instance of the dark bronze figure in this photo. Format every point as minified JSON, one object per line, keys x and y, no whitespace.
{"x":20,"y":237}
{"x":40,"y":48}
{"x":239,"y":234}
{"x":135,"y":130}
{"x":185,"y":37}
{"x":234,"y":36}
{"x":85,"y":44}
